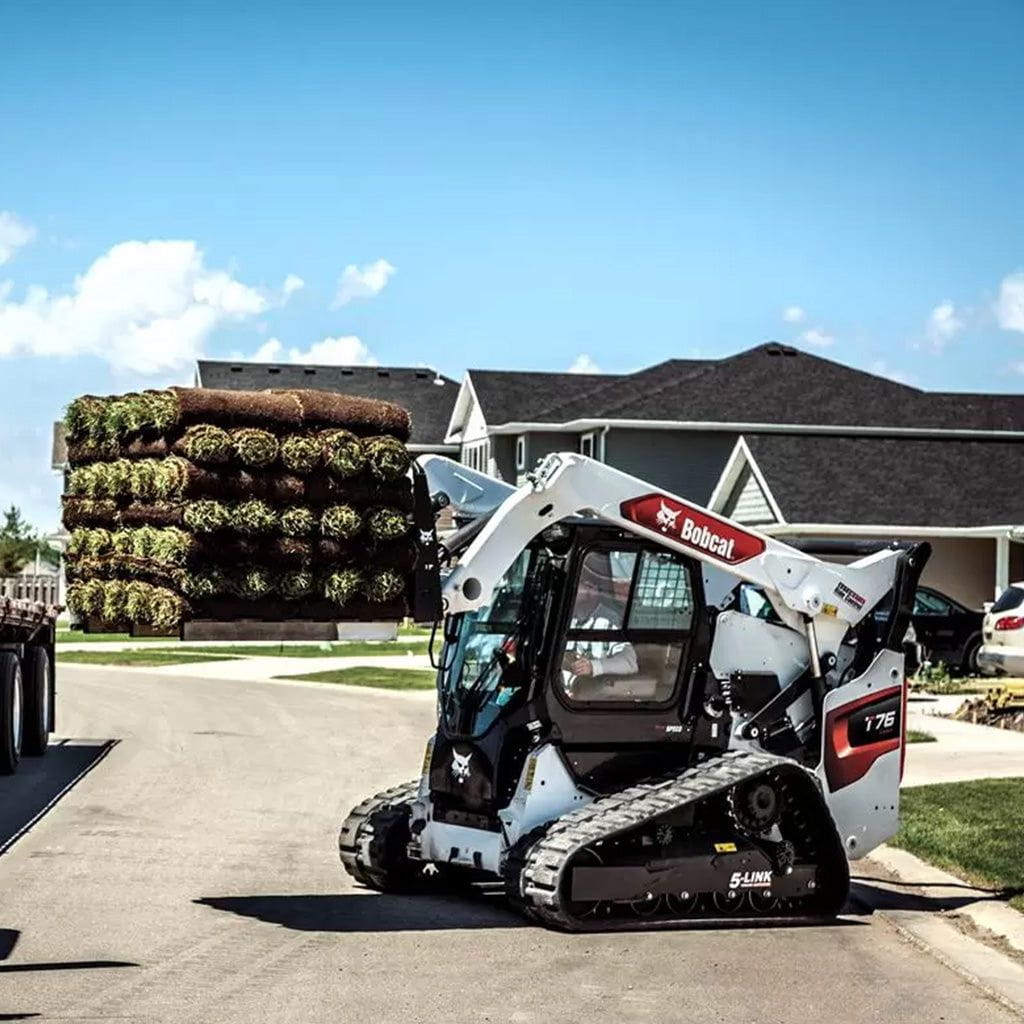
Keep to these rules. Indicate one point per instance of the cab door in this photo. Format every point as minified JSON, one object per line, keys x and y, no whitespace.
{"x":629,"y":630}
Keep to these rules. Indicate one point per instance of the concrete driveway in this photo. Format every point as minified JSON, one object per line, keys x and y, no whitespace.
{"x":192,"y":875}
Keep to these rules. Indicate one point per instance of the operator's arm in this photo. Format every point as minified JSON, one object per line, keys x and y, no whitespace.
{"x":619,"y":661}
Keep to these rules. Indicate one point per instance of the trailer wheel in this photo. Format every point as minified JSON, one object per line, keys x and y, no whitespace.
{"x":37,"y":682}
{"x":11,"y":717}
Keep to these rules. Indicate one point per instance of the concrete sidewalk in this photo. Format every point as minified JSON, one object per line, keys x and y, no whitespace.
{"x":256,"y":669}
{"x":962,"y":752}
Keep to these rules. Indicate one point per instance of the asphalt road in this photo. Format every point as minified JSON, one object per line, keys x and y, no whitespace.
{"x":192,"y":875}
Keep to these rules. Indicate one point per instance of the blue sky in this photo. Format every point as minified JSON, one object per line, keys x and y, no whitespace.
{"x":530,"y":185}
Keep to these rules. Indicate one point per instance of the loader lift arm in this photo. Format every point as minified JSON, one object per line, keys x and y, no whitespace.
{"x":817,"y":598}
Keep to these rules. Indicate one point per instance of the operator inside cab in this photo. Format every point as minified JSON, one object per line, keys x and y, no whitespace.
{"x":599,"y":606}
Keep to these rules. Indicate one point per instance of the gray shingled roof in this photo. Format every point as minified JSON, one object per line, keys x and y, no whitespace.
{"x":771,"y":383}
{"x":430,"y":405}
{"x":899,"y":482}
{"x":523,"y":395}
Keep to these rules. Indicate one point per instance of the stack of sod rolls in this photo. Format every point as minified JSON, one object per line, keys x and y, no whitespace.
{"x":195,"y":503}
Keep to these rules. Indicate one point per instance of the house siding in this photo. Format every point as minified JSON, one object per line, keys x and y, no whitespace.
{"x":539,"y":444}
{"x":503,"y":457}
{"x":686,"y":462}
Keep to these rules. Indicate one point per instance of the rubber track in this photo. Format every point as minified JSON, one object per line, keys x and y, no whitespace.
{"x":544,"y":864}
{"x":357,"y":831}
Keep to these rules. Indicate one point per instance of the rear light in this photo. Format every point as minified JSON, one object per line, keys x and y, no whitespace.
{"x":1009,"y":622}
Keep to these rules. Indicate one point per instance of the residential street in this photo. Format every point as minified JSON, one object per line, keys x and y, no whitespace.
{"x":192,"y":875}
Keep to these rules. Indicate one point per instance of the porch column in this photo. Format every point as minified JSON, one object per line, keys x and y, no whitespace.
{"x":1002,"y":564}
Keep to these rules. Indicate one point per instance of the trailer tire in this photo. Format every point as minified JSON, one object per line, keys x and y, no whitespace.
{"x":37,"y":682}
{"x":11,"y":713}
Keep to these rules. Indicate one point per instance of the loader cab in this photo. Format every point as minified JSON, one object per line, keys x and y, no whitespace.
{"x":594,"y":641}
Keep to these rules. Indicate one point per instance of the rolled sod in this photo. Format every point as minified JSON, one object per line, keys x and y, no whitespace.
{"x":386,"y":523}
{"x":343,"y":454}
{"x":300,"y":453}
{"x":252,"y":584}
{"x":340,"y":522}
{"x":83,"y":418}
{"x":298,"y":521}
{"x":254,"y":447}
{"x":154,"y":514}
{"x":123,"y":541}
{"x":207,"y":582}
{"x":383,"y":585}
{"x":342,"y":585}
{"x":295,"y":585}
{"x":206,"y":515}
{"x":78,"y":511}
{"x":365,"y":416}
{"x":206,"y":444}
{"x":254,"y":517}
{"x":143,"y":479}
{"x":228,"y":408}
{"x":386,"y":457}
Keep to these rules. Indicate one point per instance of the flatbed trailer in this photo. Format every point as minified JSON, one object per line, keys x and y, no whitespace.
{"x":27,"y":689}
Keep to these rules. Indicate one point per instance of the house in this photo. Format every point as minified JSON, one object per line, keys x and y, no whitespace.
{"x":800,"y":446}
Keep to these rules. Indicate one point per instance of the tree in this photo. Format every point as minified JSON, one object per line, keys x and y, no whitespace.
{"x":19,"y":545}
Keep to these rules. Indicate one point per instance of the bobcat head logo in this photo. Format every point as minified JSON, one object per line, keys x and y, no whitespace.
{"x":460,"y":765}
{"x":666,"y":518}
{"x":426,"y":538}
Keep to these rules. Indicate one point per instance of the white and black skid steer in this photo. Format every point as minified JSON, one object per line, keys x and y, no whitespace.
{"x":648,"y":715}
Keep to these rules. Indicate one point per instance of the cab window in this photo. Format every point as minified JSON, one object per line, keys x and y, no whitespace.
{"x":630,"y":623}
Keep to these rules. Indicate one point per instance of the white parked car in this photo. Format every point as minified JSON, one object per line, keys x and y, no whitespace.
{"x":1002,"y":648}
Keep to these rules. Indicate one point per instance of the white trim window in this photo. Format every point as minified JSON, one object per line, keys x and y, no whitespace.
{"x":477,"y":456}
{"x":521,"y":452}
{"x":588,"y":445}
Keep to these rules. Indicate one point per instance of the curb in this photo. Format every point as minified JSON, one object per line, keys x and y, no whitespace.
{"x":938,"y":931}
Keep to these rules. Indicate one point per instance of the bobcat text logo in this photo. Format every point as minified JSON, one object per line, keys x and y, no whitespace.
{"x":460,"y":765}
{"x":666,"y":518}
{"x":750,"y":880}
{"x":707,"y":540}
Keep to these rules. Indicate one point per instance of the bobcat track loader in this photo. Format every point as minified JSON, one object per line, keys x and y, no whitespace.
{"x":648,"y":715}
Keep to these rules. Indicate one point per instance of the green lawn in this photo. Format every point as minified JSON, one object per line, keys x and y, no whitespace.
{"x":340,"y":649}
{"x":75,"y":636}
{"x":140,"y":659}
{"x":917,"y":736}
{"x":366,"y":675}
{"x":970,"y":828}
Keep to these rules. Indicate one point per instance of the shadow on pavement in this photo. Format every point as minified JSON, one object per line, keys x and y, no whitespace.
{"x":902,"y":896}
{"x":365,"y":912}
{"x":40,"y":783}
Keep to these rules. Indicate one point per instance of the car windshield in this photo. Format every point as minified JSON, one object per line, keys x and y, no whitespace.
{"x":1010,"y":598}
{"x":484,"y":662}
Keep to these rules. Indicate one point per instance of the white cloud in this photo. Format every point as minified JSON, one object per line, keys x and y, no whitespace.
{"x":14,"y":233}
{"x":880,"y":368}
{"x":943,"y":325}
{"x":817,"y":337}
{"x":292,"y":284}
{"x":346,"y":350}
{"x":362,"y":282}
{"x":584,"y":364}
{"x":1010,"y":304}
{"x":794,"y":315}
{"x":145,"y":307}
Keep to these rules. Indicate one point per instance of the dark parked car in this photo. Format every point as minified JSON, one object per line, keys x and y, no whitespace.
{"x":948,"y":632}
